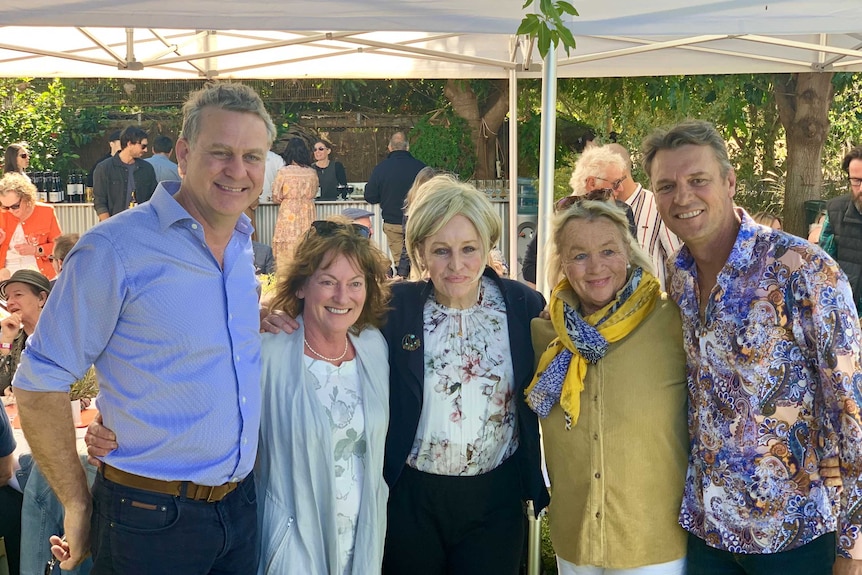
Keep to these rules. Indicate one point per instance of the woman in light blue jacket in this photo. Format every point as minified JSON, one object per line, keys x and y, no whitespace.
{"x":321,"y":494}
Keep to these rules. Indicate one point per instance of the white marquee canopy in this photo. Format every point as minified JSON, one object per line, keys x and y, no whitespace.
{"x":418,"y":38}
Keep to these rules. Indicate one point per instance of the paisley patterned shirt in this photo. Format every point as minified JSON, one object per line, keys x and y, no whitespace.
{"x":774,"y":386}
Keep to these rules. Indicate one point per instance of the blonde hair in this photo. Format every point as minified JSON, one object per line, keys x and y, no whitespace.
{"x":17,"y":182}
{"x":440,"y":199}
{"x":591,"y":211}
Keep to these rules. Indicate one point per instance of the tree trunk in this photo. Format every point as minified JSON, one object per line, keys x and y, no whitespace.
{"x":484,"y":118}
{"x":803,"y":102}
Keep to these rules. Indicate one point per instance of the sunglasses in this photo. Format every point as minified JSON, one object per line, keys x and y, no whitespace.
{"x":144,"y":146}
{"x":319,"y":149}
{"x":25,"y":155}
{"x":12,"y":207}
{"x":327,"y":228}
{"x":600,"y":195}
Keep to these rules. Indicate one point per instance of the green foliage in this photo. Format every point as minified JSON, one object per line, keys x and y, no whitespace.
{"x":31,"y":115}
{"x":548,"y":27}
{"x":443,"y":140}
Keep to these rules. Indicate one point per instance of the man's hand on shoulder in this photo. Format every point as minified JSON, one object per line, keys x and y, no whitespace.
{"x":277,"y":321}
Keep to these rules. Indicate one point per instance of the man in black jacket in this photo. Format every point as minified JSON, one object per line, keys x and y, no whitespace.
{"x":388,"y":186}
{"x":124,"y":179}
{"x":842,"y":231}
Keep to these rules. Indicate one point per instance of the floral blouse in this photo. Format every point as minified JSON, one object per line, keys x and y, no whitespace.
{"x":468,"y":424}
{"x":340,"y":394}
{"x":774,"y":378}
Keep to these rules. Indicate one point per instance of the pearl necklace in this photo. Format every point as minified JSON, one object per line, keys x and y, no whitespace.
{"x":329,"y":359}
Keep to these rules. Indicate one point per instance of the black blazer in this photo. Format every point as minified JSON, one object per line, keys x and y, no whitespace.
{"x":404,"y":330}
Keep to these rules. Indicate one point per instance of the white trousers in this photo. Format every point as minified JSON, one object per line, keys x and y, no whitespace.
{"x":671,"y":568}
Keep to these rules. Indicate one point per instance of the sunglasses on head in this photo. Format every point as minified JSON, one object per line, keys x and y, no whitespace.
{"x":12,"y":207}
{"x":327,"y":228}
{"x":600,"y":195}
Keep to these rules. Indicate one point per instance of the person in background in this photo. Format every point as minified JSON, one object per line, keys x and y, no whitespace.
{"x":774,"y":362}
{"x":599,"y":172}
{"x":178,"y":495}
{"x":815,"y":229}
{"x":388,"y":186}
{"x":403,"y":268}
{"x":125,"y":179}
{"x":841,"y":237}
{"x":614,"y":434}
{"x":294,"y":188}
{"x":361,"y":217}
{"x":462,"y":453}
{"x":17,"y":159}
{"x":165,"y":169}
{"x":274,"y":163}
{"x":264,"y":261}
{"x":25,"y":294}
{"x":652,"y":233}
{"x":62,"y":246}
{"x":767,"y":219}
{"x":113,"y":148}
{"x":330,"y":173}
{"x":27,"y":230}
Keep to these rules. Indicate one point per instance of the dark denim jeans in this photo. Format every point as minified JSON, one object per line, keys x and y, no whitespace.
{"x":135,"y":532}
{"x":814,"y":558}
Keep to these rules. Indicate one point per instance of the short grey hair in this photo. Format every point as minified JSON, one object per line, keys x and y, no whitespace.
{"x":687,"y":133}
{"x":592,"y":162}
{"x":398,"y":141}
{"x":591,"y":211}
{"x":230,"y":96}
{"x":439,"y":200}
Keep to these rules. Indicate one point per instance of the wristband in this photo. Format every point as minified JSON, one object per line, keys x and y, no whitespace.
{"x":5,"y":346}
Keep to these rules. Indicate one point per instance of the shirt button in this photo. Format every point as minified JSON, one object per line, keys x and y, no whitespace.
{"x":243,"y":399}
{"x":596,"y":436}
{"x":244,"y":441}
{"x":194,"y":226}
{"x":236,"y":358}
{"x":598,"y":475}
{"x":235,"y":479}
{"x":598,"y":514}
{"x":230,"y":316}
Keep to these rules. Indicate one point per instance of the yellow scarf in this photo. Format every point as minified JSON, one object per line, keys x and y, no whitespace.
{"x":627,"y":317}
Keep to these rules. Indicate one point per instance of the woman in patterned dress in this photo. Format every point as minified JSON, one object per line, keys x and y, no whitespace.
{"x":294,"y":188}
{"x":462,"y":451}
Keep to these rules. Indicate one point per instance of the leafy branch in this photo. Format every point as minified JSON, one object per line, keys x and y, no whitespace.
{"x":547,"y":26}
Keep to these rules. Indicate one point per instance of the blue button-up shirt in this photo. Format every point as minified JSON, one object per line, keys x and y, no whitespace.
{"x":173,"y":336}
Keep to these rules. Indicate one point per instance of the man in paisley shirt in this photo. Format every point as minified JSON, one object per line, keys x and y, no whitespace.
{"x":773,"y":348}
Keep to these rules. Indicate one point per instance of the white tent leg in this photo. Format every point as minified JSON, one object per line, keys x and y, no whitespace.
{"x":547,"y":162}
{"x":512,"y":224}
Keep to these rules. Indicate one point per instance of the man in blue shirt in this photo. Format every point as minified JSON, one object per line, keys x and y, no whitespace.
{"x":166,"y":170}
{"x":162,"y":299}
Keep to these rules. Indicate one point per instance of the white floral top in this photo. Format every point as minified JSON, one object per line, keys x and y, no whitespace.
{"x":340,"y":394}
{"x":468,"y":424}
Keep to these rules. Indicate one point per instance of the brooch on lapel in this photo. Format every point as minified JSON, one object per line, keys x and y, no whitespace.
{"x":410,"y":342}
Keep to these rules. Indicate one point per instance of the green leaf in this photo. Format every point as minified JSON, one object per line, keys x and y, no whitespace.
{"x":527,"y":3}
{"x":544,"y":40}
{"x":567,"y":38}
{"x":566,"y":8}
{"x":529,"y":25}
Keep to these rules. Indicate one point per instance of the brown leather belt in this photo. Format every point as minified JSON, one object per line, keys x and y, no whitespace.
{"x":208,"y":493}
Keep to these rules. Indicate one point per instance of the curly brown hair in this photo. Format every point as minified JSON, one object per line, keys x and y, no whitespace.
{"x":317,"y":251}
